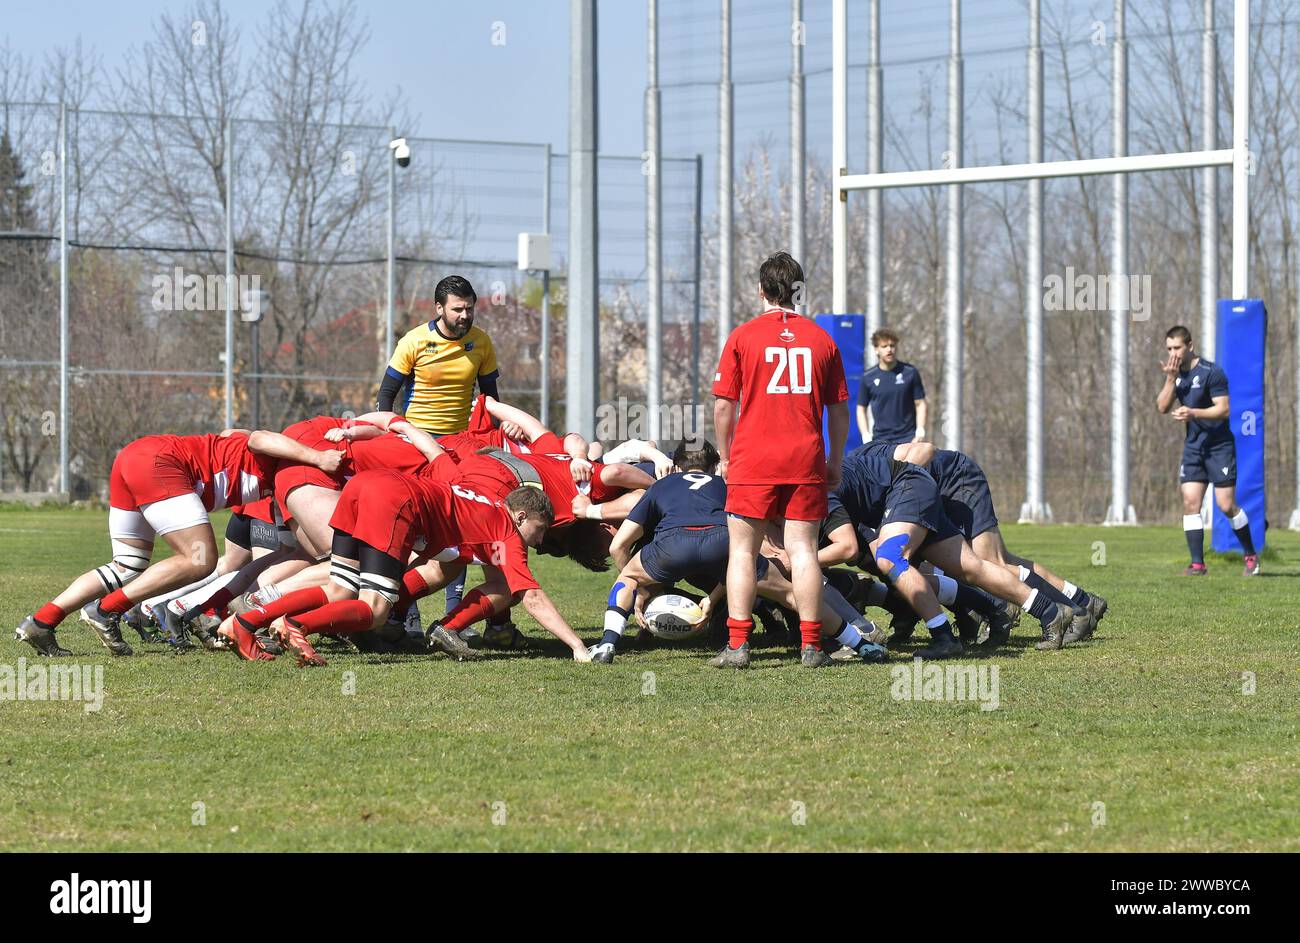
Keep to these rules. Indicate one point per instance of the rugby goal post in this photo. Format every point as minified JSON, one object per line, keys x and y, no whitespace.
{"x":1237,"y":157}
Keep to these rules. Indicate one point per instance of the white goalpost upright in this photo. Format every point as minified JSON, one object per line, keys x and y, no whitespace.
{"x":1237,"y":157}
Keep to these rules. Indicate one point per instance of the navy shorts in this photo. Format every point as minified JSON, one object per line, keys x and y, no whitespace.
{"x":968,"y":502}
{"x":1216,"y":464}
{"x":913,"y":498}
{"x":679,"y":554}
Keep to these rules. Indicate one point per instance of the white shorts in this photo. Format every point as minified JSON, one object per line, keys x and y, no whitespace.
{"x":160,"y":517}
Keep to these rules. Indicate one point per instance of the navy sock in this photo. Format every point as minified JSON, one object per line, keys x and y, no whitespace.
{"x":1041,"y":607}
{"x":1194,"y":530}
{"x":1034,"y":581}
{"x":968,"y":597}
{"x":612,"y":636}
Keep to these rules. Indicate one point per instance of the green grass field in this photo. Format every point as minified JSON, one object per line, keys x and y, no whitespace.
{"x":532,"y":751}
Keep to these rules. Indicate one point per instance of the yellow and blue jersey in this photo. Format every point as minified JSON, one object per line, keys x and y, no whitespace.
{"x":441,"y":374}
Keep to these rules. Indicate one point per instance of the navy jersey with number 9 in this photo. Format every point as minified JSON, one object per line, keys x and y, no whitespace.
{"x":682,"y":499}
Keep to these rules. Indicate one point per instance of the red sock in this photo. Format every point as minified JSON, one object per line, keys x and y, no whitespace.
{"x":739,"y":630}
{"x":413,"y":587}
{"x":50,"y":615}
{"x":288,"y":605}
{"x":337,"y":618}
{"x":116,"y":601}
{"x":811,"y":633}
{"x":219,"y":600}
{"x":476,"y":605}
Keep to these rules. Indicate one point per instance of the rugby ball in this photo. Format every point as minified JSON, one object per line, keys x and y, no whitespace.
{"x":674,"y":617}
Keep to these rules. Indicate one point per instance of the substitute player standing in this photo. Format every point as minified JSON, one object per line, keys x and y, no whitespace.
{"x":781,"y":369}
{"x":1209,"y":452}
{"x":891,"y":399}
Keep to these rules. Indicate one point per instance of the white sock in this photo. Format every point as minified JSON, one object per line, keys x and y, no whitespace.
{"x":1241,"y":520}
{"x":1023,"y":573}
{"x":947,"y":590}
{"x":1069,"y":589}
{"x":849,"y":635}
{"x":615,"y":621}
{"x":197,"y":597}
{"x":1193,"y":522}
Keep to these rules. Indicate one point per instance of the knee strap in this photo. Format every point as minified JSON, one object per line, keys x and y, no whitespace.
{"x":894,"y":552}
{"x":128,"y":562}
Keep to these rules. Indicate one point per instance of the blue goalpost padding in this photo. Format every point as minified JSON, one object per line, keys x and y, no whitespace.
{"x":849,"y":331}
{"x":1243,"y":327}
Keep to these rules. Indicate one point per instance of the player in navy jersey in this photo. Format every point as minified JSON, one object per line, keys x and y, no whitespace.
{"x":902,"y":502}
{"x":681,"y":524}
{"x":968,"y":502}
{"x":891,"y":398}
{"x":1209,"y":452}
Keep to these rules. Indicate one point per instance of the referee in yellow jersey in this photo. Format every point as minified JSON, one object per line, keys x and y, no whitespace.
{"x":439,"y":363}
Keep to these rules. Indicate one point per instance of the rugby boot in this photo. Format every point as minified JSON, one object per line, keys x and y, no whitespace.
{"x":106,"y":626}
{"x":1054,"y":631}
{"x":41,"y":638}
{"x":731,"y":657}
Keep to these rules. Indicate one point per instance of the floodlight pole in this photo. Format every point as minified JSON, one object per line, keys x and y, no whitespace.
{"x":839,"y":155}
{"x":390,"y":279}
{"x":64,"y":345}
{"x":954,"y":347}
{"x":229,"y":169}
{"x":545,"y":343}
{"x":1035,"y":509}
{"x":875,"y":199}
{"x":726,"y":212}
{"x":1121,"y":512}
{"x":582,"y":359}
{"x":797,"y":155}
{"x":652,"y":167}
{"x":1209,"y":186}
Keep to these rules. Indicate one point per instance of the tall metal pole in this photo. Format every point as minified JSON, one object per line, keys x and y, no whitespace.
{"x":64,"y":345}
{"x":1035,"y":509}
{"x":797,"y":123}
{"x":255,"y":335}
{"x":839,"y":156}
{"x":391,"y":306}
{"x":695,"y":318}
{"x":1209,"y":185}
{"x":726,"y":213}
{"x":1241,"y":145}
{"x":545,"y":353}
{"x":875,"y":199}
{"x":230,"y":274}
{"x":1121,"y":512}
{"x":652,"y":167}
{"x":582,"y":359}
{"x":954,"y":341}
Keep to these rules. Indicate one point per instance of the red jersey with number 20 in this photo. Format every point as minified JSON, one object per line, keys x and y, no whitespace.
{"x":783,"y":370}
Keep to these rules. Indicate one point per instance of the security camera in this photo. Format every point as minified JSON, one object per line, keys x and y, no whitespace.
{"x":401,"y":150}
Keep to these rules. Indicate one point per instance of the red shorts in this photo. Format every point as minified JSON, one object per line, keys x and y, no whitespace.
{"x":386,"y":522}
{"x":261,"y":510}
{"x":290,"y":475}
{"x":805,"y":502}
{"x":145,"y":472}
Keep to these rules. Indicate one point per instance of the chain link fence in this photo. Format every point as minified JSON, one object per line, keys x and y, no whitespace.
{"x":159,"y":206}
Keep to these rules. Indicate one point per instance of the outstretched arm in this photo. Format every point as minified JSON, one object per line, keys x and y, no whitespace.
{"x":530,"y":425}
{"x":286,"y":449}
{"x":541,"y":608}
{"x":620,"y":548}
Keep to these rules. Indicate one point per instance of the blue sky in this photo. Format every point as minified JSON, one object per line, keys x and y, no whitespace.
{"x":441,"y":54}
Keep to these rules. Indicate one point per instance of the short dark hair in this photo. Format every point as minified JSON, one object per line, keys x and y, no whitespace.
{"x":454,"y":285}
{"x":583,"y":541}
{"x":533,"y":502}
{"x":1179,"y":332}
{"x":779,"y":276}
{"x":884,"y":334}
{"x":696,"y":455}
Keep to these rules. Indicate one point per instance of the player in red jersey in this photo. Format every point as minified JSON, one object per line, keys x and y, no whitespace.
{"x":307,"y":496}
{"x":782,"y":370}
{"x":382,"y":518}
{"x":166,"y":485}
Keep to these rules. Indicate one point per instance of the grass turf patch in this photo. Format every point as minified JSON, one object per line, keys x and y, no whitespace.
{"x":1143,"y":739}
